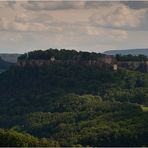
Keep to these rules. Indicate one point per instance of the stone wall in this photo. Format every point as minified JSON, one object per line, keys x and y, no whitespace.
{"x":100,"y":62}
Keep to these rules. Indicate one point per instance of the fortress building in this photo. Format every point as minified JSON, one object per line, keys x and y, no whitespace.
{"x":87,"y":59}
{"x":103,"y":61}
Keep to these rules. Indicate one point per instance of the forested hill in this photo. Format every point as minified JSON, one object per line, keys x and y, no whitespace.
{"x":10,"y":57}
{"x":74,"y":105}
{"x":62,"y":54}
{"x":52,"y":56}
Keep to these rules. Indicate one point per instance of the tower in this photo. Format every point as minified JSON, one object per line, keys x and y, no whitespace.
{"x":52,"y":59}
{"x":115,"y":67}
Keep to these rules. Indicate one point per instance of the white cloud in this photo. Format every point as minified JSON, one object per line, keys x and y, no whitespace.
{"x":119,"y":16}
{"x":7,"y":25}
{"x":107,"y":34}
{"x":26,"y":22}
{"x":11,"y":37}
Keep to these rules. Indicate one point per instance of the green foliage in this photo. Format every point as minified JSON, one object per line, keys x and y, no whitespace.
{"x":136,"y":95}
{"x":62,"y":54}
{"x":49,"y":83}
{"x":11,"y":138}
{"x":144,"y":108}
{"x":105,"y":124}
{"x":72,"y":103}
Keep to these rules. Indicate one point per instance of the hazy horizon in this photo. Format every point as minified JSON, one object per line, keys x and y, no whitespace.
{"x":81,"y":25}
{"x":22,"y":52}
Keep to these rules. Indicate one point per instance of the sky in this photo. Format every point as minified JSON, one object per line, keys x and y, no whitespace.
{"x":82,"y":25}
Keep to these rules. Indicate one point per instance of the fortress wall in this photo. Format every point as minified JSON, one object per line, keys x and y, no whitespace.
{"x":108,"y":62}
{"x":99,"y":63}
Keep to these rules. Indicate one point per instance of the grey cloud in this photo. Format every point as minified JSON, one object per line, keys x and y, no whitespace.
{"x":97,"y":4}
{"x":130,"y":4}
{"x":53,"y":5}
{"x":10,"y":4}
{"x":40,"y":18}
{"x":136,"y":4}
{"x":65,"y":5}
{"x":62,"y":4}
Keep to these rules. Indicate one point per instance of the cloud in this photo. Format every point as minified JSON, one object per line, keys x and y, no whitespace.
{"x":87,"y":25}
{"x":136,"y":4}
{"x":24,"y":22}
{"x":17,"y":26}
{"x":99,"y":4}
{"x":10,"y":37}
{"x":130,"y":4}
{"x":108,"y":34}
{"x":7,"y":4}
{"x":53,"y":5}
{"x":119,"y":17}
{"x":40,"y":18}
{"x":81,"y":4}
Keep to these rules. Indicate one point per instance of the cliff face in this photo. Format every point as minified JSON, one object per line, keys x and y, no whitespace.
{"x":24,"y":63}
{"x":100,"y":62}
{"x":107,"y":62}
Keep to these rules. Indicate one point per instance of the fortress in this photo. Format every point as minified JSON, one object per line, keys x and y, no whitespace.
{"x":105,"y":61}
{"x":108,"y":62}
{"x":46,"y":58}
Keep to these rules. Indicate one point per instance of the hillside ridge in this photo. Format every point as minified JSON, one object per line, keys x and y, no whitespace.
{"x":54,"y":56}
{"x":143,"y":51}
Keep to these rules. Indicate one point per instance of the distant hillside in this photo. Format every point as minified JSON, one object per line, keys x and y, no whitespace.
{"x":4,"y":65}
{"x":12,"y":58}
{"x":127,"y":51}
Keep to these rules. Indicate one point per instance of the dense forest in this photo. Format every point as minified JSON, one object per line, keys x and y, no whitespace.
{"x":64,"y":54}
{"x":72,"y":105}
